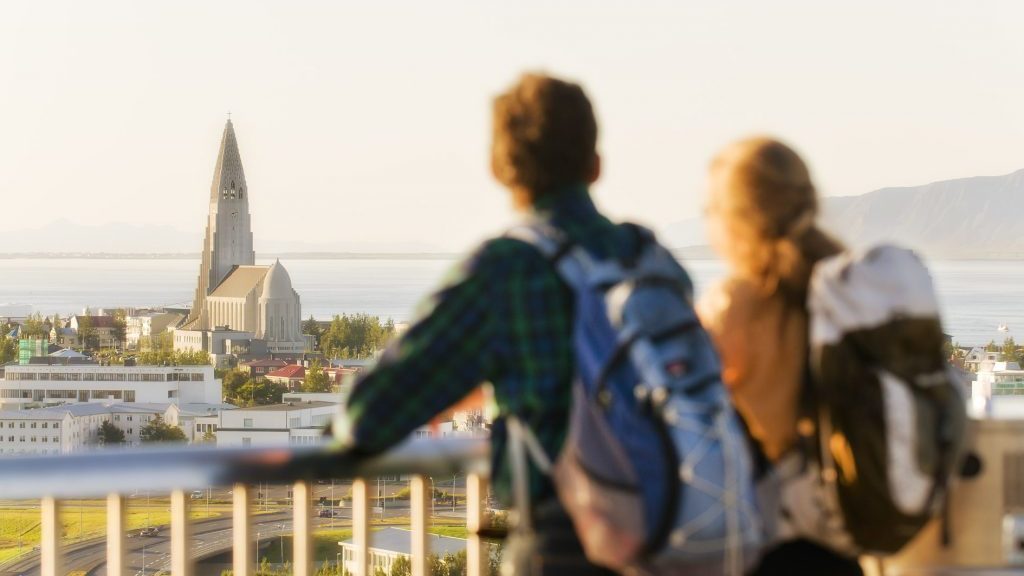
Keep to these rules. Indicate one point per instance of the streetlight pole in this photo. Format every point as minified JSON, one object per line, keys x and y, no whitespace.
{"x":257,"y":551}
{"x":143,"y":559}
{"x":332,"y":502}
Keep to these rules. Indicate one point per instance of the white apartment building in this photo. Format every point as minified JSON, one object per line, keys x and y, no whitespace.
{"x":998,"y":389}
{"x":71,"y":427}
{"x":40,"y":385}
{"x":146,"y":324}
{"x":275,"y":425}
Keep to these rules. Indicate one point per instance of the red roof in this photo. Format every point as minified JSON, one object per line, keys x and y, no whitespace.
{"x":290,"y":371}
{"x":265,"y":364}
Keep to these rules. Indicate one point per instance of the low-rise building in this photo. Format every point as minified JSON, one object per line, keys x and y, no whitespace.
{"x":275,"y":425}
{"x":32,"y":385}
{"x":144,"y":324}
{"x":998,"y":389}
{"x":68,"y":428}
{"x":93,"y":331}
{"x":259,"y":368}
{"x":389,"y":544}
{"x":291,"y":376}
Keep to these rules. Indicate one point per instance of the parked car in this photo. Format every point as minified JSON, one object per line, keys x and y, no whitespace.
{"x":151,"y":531}
{"x":198,"y":495}
{"x":326,"y":513}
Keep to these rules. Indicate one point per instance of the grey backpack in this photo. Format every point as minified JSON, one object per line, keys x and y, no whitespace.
{"x":883,"y":416}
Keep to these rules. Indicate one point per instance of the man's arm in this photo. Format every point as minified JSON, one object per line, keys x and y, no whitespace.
{"x":442,"y":357}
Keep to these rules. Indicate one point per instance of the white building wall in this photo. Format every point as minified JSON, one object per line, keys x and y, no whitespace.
{"x":51,"y":385}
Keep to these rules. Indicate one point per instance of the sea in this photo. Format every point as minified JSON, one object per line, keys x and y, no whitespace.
{"x":976,"y":296}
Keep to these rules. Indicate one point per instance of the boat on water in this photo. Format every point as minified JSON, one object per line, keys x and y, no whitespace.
{"x":1003,"y":328}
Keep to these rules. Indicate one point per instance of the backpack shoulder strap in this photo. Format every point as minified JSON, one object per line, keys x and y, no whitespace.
{"x":551,"y":242}
{"x":572,"y":263}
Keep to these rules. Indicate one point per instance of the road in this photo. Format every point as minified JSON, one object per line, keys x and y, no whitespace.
{"x":151,"y":554}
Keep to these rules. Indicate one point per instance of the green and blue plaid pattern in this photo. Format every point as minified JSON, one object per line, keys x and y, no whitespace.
{"x":502,"y":316}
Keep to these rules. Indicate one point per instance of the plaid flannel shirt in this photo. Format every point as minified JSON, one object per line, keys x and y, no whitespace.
{"x":502,"y":316}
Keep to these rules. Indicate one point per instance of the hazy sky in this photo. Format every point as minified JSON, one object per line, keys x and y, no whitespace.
{"x":368,"y":122}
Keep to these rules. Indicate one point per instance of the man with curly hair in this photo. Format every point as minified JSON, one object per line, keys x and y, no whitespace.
{"x":504,"y":316}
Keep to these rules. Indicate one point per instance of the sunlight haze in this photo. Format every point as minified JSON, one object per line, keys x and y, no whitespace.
{"x":368,"y":123}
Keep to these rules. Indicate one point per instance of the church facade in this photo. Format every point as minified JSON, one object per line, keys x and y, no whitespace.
{"x":237,"y":302}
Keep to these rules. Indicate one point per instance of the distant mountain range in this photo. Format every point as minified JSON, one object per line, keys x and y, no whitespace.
{"x":966,"y":218}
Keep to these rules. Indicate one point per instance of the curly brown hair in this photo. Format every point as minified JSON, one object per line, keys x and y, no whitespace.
{"x":545,"y":135}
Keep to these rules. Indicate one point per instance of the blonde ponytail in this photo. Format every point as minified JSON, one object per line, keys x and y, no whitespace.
{"x":763,"y":191}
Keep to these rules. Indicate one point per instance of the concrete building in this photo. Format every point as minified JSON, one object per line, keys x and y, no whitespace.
{"x":144,"y":324}
{"x":275,"y":425}
{"x":998,"y":390}
{"x":72,"y":427}
{"x":42,"y":385}
{"x":232,"y":292}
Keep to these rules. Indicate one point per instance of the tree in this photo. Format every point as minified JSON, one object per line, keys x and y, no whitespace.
{"x":992,"y":346}
{"x":312,"y":327}
{"x":401,"y":566}
{"x":1009,"y":349}
{"x":258,"y":393}
{"x":316,"y":380}
{"x":110,"y":434}
{"x":356,"y":336}
{"x":33,"y":327}
{"x":232,"y":381}
{"x":120,"y":328}
{"x":86,"y":332}
{"x":209,"y":436}
{"x":159,"y":431}
{"x":8,"y":349}
{"x":158,"y":350}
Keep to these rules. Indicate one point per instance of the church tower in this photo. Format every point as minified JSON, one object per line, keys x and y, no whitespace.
{"x":228,"y":241}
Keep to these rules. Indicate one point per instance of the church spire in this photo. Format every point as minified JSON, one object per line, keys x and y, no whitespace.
{"x":228,"y":241}
{"x":228,"y":176}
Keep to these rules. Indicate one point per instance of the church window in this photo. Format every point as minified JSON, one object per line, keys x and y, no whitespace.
{"x":240,"y":191}
{"x":224,"y":194}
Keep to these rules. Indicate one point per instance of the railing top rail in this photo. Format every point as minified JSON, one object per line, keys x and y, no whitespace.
{"x":161,"y":469}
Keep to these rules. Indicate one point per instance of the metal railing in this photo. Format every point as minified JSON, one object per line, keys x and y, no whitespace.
{"x":177,"y":470}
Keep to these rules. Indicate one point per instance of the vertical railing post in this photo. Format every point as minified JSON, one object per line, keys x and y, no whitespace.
{"x":302,"y":529}
{"x":115,"y":535}
{"x":241,"y":523}
{"x":476,"y":550}
{"x":52,"y":556}
{"x":361,"y":526}
{"x":420,"y":522}
{"x":181,"y":535}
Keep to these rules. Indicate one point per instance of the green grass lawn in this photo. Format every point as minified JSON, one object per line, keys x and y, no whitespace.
{"x":80,"y":520}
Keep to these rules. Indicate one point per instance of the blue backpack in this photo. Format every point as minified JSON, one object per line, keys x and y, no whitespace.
{"x":656,"y":471}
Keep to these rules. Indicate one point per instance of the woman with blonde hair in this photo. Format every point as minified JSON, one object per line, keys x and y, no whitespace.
{"x":761,"y":214}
